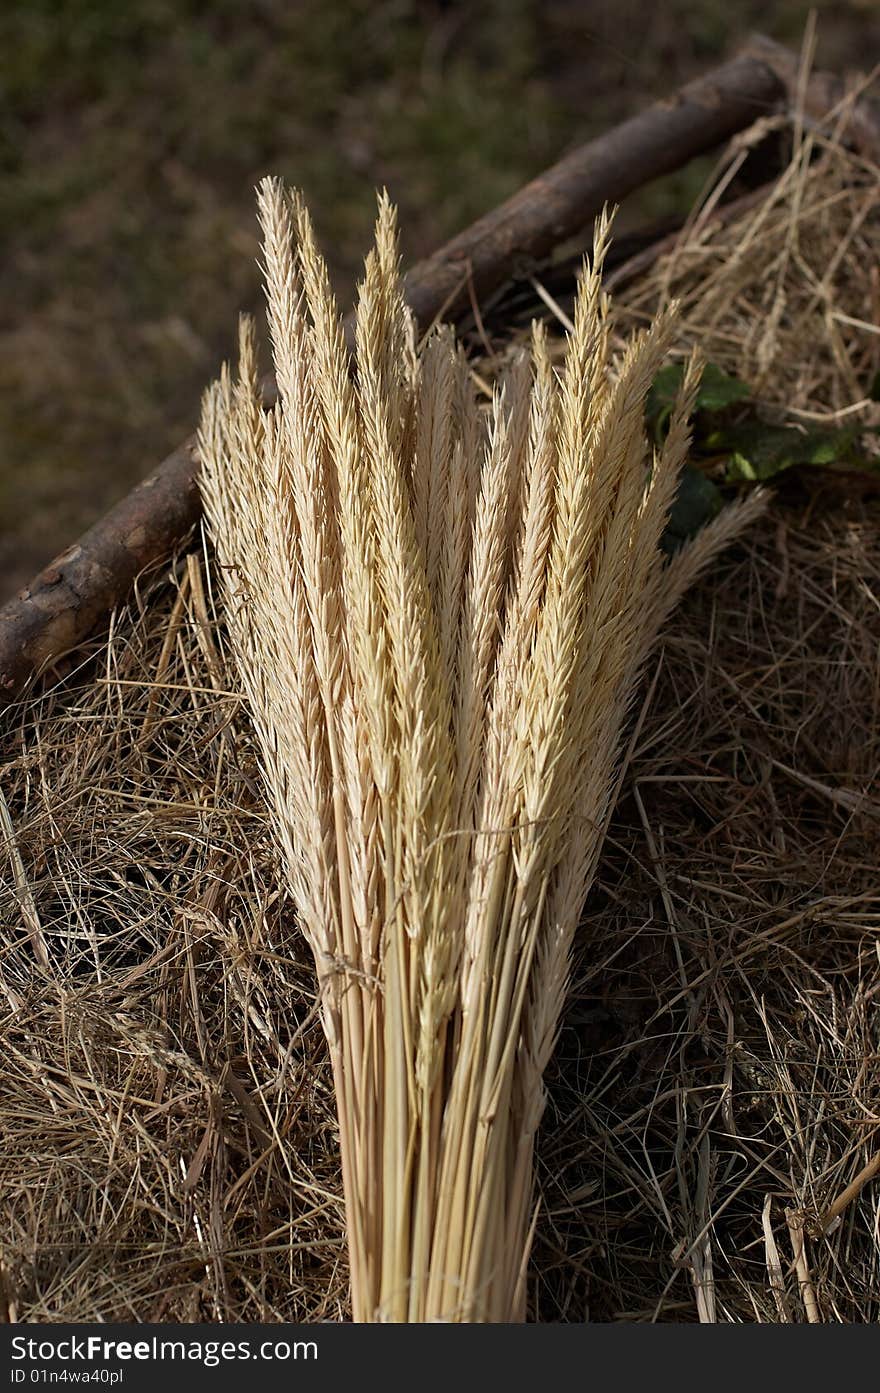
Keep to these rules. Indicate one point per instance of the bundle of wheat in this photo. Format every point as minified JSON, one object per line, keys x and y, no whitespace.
{"x":438,"y":621}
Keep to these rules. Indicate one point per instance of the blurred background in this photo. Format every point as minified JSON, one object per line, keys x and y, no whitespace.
{"x":132,"y":134}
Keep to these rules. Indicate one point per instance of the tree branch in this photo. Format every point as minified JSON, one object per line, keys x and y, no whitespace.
{"x":67,"y":600}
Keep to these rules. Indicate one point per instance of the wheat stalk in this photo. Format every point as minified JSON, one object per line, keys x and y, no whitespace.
{"x":439,"y":620}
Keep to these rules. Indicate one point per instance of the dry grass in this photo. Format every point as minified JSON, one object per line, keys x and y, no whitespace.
{"x":170,"y":1149}
{"x":786,"y":295}
{"x":722,"y":1041}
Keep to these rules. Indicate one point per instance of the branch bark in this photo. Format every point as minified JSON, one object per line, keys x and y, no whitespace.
{"x":67,"y":600}
{"x":823,"y":93}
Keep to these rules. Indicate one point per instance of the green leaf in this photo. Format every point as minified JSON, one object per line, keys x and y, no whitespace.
{"x":759,"y":451}
{"x":717,"y":391}
{"x":697,"y":501}
{"x":664,"y":390}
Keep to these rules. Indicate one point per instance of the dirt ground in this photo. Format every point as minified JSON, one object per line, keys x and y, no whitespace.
{"x":131,"y":138}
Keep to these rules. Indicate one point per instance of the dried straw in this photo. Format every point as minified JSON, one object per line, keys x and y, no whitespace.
{"x":439,"y":779}
{"x":169,"y":1143}
{"x":170,"y":1149}
{"x":786,"y":295}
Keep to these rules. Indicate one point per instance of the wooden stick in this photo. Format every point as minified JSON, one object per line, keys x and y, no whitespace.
{"x":567,"y":196}
{"x":65,"y":602}
{"x":824,"y":93}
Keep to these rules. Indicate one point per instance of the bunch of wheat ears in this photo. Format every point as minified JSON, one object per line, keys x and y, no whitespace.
{"x":438,"y":616}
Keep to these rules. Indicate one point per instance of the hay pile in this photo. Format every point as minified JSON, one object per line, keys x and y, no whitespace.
{"x":782,"y":288}
{"x":168,"y":1149}
{"x":717,"y":1088}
